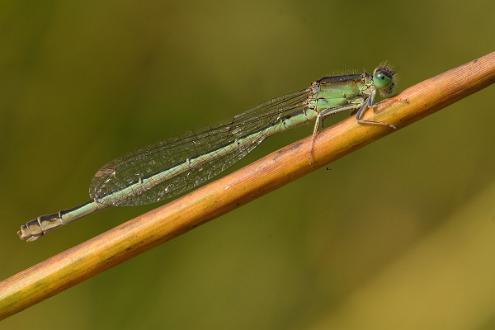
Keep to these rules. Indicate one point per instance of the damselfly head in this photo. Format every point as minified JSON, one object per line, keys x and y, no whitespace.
{"x":384,"y":80}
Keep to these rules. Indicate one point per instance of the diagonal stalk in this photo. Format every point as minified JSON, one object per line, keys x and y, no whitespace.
{"x":272,"y":171}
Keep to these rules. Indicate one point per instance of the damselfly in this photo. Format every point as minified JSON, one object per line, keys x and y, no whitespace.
{"x":172,"y":167}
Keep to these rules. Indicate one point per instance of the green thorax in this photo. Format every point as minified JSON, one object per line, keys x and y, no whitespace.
{"x":336,"y":91}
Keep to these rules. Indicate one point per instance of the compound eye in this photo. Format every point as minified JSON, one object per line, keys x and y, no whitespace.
{"x":381,"y":80}
{"x":384,"y":80}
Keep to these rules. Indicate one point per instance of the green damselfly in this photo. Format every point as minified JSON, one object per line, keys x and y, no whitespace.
{"x":175,"y":166}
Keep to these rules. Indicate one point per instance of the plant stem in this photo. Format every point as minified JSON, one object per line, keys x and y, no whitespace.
{"x":272,"y":171}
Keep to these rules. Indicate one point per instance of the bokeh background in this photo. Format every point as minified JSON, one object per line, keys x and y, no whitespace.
{"x":398,"y":235}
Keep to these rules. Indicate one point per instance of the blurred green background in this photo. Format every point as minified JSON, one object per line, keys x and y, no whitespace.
{"x":398,"y":235}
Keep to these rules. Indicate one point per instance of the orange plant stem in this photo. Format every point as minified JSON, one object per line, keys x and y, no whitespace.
{"x":276,"y":169}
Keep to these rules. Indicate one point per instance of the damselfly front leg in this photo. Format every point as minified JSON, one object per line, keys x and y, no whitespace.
{"x":369,"y":103}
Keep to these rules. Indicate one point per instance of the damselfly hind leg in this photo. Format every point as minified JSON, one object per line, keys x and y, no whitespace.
{"x":319,"y":124}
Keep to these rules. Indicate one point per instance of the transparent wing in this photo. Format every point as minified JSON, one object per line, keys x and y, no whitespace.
{"x":144,"y":163}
